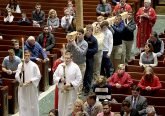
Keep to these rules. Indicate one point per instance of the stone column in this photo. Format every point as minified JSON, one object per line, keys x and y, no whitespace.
{"x":79,"y":13}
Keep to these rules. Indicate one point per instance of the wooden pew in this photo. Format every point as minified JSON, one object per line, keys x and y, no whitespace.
{"x":3,"y":101}
{"x":44,"y":82}
{"x":138,"y":75}
{"x":136,"y":62}
{"x":134,"y":68}
{"x":157,"y":101}
{"x":12,"y":94}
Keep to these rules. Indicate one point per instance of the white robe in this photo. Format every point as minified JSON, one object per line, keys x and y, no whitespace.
{"x":67,"y":99}
{"x":28,"y":95}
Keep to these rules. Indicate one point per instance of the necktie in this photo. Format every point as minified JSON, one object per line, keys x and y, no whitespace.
{"x":134,"y":104}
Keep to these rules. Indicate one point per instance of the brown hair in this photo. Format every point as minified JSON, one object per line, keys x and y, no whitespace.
{"x":148,"y":74}
{"x":150,"y":47}
{"x":89,"y":26}
{"x":104,"y":23}
{"x":81,"y":30}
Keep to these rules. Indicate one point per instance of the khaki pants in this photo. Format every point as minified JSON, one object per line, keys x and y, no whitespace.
{"x":82,"y":69}
{"x":127,"y":47}
{"x":116,"y":56}
{"x":97,"y":62}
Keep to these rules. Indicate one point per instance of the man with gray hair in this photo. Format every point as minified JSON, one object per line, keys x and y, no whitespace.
{"x":35,"y":49}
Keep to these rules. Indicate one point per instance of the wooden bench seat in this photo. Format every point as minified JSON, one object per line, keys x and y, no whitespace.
{"x":136,"y":62}
{"x":12,"y":92}
{"x":134,"y":68}
{"x":3,"y":100}
{"x":137,"y":81}
{"x":138,"y":75}
{"x":28,"y":33}
{"x":157,"y":101}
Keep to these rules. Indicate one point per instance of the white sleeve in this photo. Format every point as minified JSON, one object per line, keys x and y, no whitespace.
{"x":36,"y":75}
{"x":63,"y":22}
{"x":140,"y":61}
{"x":56,"y":75}
{"x":78,"y":79}
{"x":7,"y":7}
{"x":11,"y":18}
{"x":5,"y":19}
{"x":18,"y":71}
{"x":161,"y":49}
{"x":110,"y":43}
{"x":18,"y":10}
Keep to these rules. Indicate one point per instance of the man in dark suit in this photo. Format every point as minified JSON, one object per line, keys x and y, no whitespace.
{"x":127,"y":110}
{"x":137,"y":101}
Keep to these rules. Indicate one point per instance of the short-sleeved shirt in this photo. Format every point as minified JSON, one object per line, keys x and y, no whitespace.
{"x":12,"y":65}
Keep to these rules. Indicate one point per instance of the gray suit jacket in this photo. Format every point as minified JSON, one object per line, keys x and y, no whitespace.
{"x":141,"y":104}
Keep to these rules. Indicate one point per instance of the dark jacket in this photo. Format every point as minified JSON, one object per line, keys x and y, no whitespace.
{"x":92,"y":46}
{"x":50,"y":42}
{"x":117,"y":36}
{"x":128,"y":32}
{"x":25,"y":22}
{"x":39,"y":17}
{"x":156,"y":45}
{"x":141,"y":103}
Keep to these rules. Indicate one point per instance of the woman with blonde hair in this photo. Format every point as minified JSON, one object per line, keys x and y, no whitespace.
{"x":53,"y":20}
{"x":98,"y":56}
{"x":78,"y":107}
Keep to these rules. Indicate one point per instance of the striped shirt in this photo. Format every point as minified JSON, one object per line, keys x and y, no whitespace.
{"x":102,"y":92}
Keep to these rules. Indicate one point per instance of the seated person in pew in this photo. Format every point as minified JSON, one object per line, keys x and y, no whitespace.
{"x":148,"y":57}
{"x":35,"y":49}
{"x":66,"y":20}
{"x":103,"y":8}
{"x":1,"y":37}
{"x":10,"y":63}
{"x":16,"y":48}
{"x":137,"y":101}
{"x":102,"y":89}
{"x":13,"y":5}
{"x":53,"y":21}
{"x":8,"y":18}
{"x":46,"y":39}
{"x":121,"y":7}
{"x":127,"y":109}
{"x":77,"y":108}
{"x":149,"y":82}
{"x":92,"y":106}
{"x":38,"y":16}
{"x":150,"y":110}
{"x":120,"y":79}
{"x":106,"y":109}
{"x":24,"y":20}
{"x":157,"y":44}
{"x":70,"y":7}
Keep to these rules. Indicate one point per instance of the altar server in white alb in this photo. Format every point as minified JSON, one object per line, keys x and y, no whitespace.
{"x":27,"y":90}
{"x":68,"y":77}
